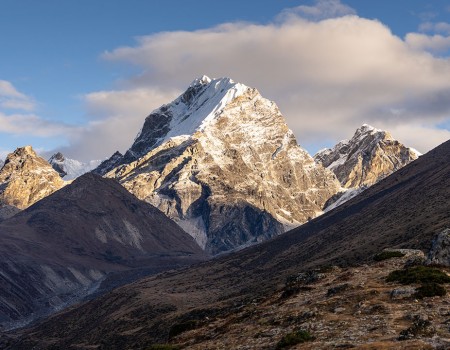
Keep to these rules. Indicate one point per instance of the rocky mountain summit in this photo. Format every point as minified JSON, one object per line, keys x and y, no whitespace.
{"x":26,"y":178}
{"x":221,"y":161}
{"x":70,"y":169}
{"x":369,"y":156}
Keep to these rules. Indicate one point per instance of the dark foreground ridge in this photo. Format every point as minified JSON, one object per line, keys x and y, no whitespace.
{"x":88,"y":236}
{"x":404,"y":210}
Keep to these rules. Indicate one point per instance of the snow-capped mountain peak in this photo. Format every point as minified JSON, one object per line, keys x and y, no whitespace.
{"x":194,"y":110}
{"x":202,"y":80}
{"x":201,"y":104}
{"x":369,"y":156}
{"x":221,"y":161}
{"x":70,"y":169}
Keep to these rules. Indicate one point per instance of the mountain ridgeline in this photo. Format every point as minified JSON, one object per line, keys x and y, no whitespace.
{"x":404,"y":210}
{"x":220,"y":161}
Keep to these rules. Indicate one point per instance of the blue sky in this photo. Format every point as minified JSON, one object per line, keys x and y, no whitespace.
{"x":76,"y":77}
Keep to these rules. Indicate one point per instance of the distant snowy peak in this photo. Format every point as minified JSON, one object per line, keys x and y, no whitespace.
{"x":369,"y":156}
{"x":57,"y":162}
{"x":70,"y":169}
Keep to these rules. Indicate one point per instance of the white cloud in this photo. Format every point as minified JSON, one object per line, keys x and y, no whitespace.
{"x":18,"y":117}
{"x":11,"y":98}
{"x":328,"y":77}
{"x":8,"y":90}
{"x":118,"y":115}
{"x":419,"y":135}
{"x":31,"y":124}
{"x":322,"y":9}
{"x":433,"y":43}
{"x":435,"y":27}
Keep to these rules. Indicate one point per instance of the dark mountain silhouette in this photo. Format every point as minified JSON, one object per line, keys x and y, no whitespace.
{"x":65,"y":246}
{"x":404,"y":210}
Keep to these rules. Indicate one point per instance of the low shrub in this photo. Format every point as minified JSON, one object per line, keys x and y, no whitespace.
{"x":418,"y":274}
{"x":430,"y":290}
{"x":420,"y":327}
{"x":384,"y":255}
{"x":297,"y":337}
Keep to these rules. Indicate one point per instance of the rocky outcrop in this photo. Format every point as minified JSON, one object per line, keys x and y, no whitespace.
{"x":221,"y":161}
{"x":439,"y":253}
{"x":57,"y":163}
{"x":27,"y":178}
{"x":369,"y":156}
{"x":107,"y":165}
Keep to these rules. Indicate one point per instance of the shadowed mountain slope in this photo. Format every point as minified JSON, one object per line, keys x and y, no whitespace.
{"x":404,"y":210}
{"x":62,"y":247}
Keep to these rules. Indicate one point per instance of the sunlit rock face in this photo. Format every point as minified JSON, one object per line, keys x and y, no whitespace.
{"x":27,"y":178}
{"x":369,"y":156}
{"x":221,"y":161}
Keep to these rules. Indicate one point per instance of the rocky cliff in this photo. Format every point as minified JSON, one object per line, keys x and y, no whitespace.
{"x":26,"y":178}
{"x":221,"y":161}
{"x":369,"y":156}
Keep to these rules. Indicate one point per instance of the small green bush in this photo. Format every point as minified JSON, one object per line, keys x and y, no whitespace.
{"x":387,"y":255}
{"x":430,"y":290}
{"x":420,"y":327}
{"x":418,"y":274}
{"x":297,"y":337}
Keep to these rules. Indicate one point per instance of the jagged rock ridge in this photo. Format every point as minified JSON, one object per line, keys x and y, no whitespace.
{"x":369,"y":156}
{"x":70,"y":169}
{"x":26,"y":178}
{"x":107,"y":165}
{"x":222,"y":162}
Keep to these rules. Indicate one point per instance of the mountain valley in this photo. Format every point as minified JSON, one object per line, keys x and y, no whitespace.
{"x":90,"y":256}
{"x":405,"y":210}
